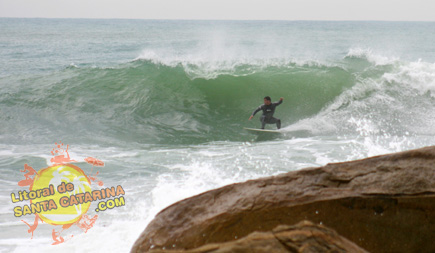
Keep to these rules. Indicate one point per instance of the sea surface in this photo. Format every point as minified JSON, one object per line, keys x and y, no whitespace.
{"x":163,"y":104}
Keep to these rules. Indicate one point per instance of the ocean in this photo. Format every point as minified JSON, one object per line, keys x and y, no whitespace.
{"x":163,"y":104}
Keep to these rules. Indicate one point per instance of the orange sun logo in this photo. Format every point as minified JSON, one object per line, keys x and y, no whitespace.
{"x":59,"y":195}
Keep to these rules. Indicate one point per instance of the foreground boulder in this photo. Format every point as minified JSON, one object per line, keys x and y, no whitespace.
{"x":383,"y":204}
{"x":304,"y":237}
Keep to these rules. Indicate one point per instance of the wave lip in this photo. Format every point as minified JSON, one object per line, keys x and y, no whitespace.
{"x":210,"y":66}
{"x":370,"y":56}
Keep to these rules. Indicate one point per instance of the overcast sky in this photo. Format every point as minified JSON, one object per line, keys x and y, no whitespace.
{"x":400,"y":10}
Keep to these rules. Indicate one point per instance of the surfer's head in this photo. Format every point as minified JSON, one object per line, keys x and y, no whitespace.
{"x":267,"y":100}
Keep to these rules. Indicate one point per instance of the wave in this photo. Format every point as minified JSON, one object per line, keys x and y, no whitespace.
{"x":394,"y":101}
{"x":183,"y":101}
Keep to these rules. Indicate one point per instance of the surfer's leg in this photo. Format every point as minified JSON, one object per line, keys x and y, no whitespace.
{"x":263,"y":121}
{"x":274,"y":121}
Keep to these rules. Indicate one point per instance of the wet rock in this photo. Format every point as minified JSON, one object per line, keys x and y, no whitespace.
{"x":383,"y":204}
{"x":303,"y":237}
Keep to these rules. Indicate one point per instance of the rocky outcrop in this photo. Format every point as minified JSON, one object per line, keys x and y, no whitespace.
{"x":304,"y":237}
{"x":383,"y":204}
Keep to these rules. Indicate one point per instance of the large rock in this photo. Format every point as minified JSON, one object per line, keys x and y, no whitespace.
{"x":383,"y":204}
{"x":304,"y":237}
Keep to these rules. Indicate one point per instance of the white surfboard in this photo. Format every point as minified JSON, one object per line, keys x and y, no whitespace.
{"x":256,"y":130}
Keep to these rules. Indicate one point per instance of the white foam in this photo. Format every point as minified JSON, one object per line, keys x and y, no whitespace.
{"x":209,"y":65}
{"x":369,"y":55}
{"x":419,"y":76}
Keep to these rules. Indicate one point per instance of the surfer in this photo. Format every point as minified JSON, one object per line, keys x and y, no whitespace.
{"x":268,"y":109}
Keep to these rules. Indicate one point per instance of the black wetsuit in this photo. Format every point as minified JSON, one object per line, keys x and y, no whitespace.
{"x":267,"y":117}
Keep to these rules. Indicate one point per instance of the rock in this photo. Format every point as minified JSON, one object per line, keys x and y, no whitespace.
{"x":304,"y":237}
{"x":383,"y":204}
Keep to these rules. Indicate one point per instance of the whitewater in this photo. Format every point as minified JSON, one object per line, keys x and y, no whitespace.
{"x":164,"y":103}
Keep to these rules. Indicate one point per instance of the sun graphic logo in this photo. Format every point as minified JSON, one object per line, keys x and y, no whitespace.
{"x":61,"y":195}
{"x":72,"y":186}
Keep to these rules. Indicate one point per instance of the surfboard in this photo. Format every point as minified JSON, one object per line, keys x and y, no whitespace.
{"x":256,"y":130}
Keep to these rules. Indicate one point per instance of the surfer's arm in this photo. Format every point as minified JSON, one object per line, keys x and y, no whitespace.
{"x":279,"y":102}
{"x":256,"y":110}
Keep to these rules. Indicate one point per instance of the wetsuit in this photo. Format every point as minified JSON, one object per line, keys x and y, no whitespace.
{"x":267,"y":117}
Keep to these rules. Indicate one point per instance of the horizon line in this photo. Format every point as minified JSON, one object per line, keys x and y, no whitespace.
{"x":182,"y":19}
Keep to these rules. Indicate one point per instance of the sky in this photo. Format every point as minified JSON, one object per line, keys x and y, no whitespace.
{"x":386,"y":10}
